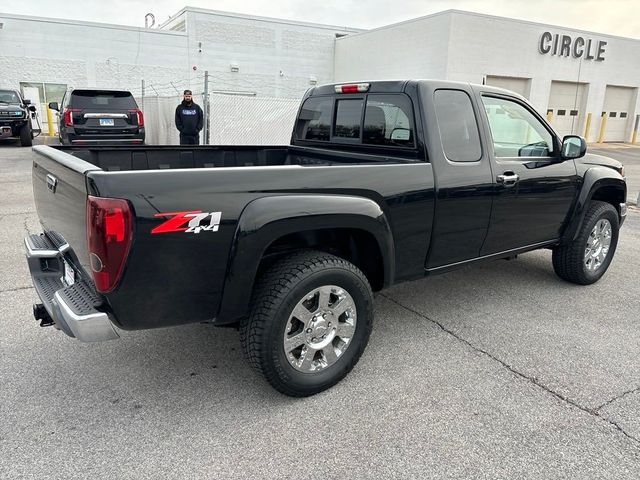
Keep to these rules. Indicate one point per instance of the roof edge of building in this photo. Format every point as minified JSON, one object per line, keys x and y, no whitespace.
{"x":453,"y":11}
{"x":220,"y":13}
{"x":110,"y":26}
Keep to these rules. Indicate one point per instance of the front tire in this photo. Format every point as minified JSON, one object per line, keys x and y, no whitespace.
{"x":586,"y":259}
{"x":26,"y":138}
{"x":310,"y":321}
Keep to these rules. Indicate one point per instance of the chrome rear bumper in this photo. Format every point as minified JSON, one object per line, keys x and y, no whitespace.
{"x":73,"y":308}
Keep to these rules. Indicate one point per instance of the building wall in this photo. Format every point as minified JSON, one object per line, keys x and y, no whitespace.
{"x":275,"y":58}
{"x":82,"y":54}
{"x":413,"y":49}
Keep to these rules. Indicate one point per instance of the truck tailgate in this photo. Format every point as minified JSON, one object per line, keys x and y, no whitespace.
{"x":58,"y":258}
{"x":60,"y":194}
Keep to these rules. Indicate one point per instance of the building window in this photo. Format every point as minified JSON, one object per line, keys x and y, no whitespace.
{"x":613,"y":114}
{"x":623,"y":114}
{"x":561,"y":113}
{"x":574,"y":113}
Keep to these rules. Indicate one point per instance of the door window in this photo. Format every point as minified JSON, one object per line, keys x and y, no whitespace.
{"x":515,"y":130}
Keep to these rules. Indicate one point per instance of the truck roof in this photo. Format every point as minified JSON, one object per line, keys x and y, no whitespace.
{"x":396,"y":86}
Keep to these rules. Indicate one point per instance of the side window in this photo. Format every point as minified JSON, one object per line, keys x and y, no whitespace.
{"x":457,"y":125}
{"x":314,"y":121}
{"x":515,"y":130}
{"x":348,"y":116}
{"x":388,"y":120}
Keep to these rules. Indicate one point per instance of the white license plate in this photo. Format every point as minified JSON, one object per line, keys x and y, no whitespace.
{"x":69,"y":275}
{"x":106,"y":122}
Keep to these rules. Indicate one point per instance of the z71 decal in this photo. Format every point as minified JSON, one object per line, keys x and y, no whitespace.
{"x":194,"y":221}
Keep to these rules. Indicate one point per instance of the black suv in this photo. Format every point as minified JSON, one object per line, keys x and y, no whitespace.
{"x":14,"y":117}
{"x":99,"y":117}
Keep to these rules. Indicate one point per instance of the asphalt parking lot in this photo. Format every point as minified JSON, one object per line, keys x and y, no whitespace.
{"x":493,"y":371}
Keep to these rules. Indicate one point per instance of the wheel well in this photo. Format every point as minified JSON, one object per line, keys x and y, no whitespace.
{"x":356,"y":246}
{"x":610,"y":194}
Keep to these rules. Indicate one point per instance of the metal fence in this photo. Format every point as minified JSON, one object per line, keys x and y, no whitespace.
{"x":233,"y":119}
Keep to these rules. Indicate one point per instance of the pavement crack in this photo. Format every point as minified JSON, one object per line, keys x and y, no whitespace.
{"x":616,"y":398}
{"x":590,"y":411}
{"x":17,"y":289}
{"x":29,"y":212}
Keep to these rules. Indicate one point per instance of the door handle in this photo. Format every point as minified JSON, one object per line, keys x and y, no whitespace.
{"x":508,"y":179}
{"x":52,"y":183}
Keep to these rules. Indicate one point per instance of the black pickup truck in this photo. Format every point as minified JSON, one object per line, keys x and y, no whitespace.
{"x":383,"y":182}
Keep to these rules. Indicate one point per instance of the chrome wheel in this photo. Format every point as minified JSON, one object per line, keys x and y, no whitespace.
{"x":320,"y":329}
{"x":598,"y":244}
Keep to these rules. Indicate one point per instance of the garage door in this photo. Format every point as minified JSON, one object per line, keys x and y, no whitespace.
{"x":567,"y":102}
{"x":618,"y":106}
{"x":515,"y":84}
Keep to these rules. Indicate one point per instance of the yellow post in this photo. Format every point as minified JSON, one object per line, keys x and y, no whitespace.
{"x":587,"y":127}
{"x":603,"y":125}
{"x":50,"y":122}
{"x":634,"y":137}
{"x":549,"y":115}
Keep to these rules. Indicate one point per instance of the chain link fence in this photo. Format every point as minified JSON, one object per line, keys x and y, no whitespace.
{"x":233,"y":119}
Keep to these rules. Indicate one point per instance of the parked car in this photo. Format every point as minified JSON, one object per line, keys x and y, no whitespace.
{"x":14,"y":117}
{"x":99,"y":117}
{"x":383,"y":182}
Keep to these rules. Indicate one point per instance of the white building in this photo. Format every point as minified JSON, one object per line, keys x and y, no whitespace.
{"x":566,"y":73}
{"x":262,"y":56}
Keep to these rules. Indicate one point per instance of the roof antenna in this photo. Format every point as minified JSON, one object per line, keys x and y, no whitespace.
{"x":146,"y":20}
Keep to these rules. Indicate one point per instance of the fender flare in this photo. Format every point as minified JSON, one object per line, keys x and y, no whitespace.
{"x":267,"y":219}
{"x":594,"y":179}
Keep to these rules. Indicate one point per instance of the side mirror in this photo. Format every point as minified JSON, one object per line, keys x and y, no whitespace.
{"x":31,"y":108}
{"x":26,"y":102}
{"x":573,"y":146}
{"x":54,"y":106}
{"x":401,"y":134}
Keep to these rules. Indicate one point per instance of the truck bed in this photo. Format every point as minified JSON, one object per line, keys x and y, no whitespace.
{"x":161,"y":182}
{"x":161,"y":157}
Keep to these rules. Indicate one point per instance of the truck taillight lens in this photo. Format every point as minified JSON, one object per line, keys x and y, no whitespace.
{"x":353,"y":88}
{"x":109,"y":235}
{"x":139,"y":116}
{"x":68,"y":115}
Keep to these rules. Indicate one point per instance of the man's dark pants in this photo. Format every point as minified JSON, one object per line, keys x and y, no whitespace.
{"x":189,"y":139}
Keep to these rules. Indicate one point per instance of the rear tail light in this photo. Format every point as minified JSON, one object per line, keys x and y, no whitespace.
{"x":109,"y":236}
{"x":353,"y":88}
{"x":139,"y":116}
{"x":68,"y":115}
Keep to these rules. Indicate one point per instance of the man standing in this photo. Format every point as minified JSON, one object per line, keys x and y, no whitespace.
{"x":189,"y":120}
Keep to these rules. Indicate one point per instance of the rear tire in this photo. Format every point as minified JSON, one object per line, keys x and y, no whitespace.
{"x":26,"y":139}
{"x":310,"y":321}
{"x":586,"y":259}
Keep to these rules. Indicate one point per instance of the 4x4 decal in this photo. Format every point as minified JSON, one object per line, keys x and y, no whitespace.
{"x":195,"y":220}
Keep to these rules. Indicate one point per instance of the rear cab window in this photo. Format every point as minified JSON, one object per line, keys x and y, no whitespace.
{"x":377,"y":120}
{"x":90,"y":99}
